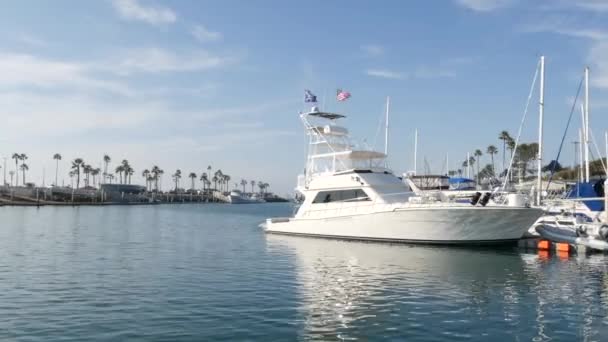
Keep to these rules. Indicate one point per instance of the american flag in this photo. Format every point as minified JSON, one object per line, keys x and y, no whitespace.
{"x":342,"y":95}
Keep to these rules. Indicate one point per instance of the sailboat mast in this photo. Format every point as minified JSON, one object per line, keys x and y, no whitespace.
{"x":586,"y":124}
{"x":388,"y":101}
{"x":580,"y":155}
{"x":416,"y":151}
{"x":541,"y":113}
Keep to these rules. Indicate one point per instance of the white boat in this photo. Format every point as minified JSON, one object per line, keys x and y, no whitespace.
{"x":573,"y":230}
{"x":237,"y":197}
{"x":350,"y":193}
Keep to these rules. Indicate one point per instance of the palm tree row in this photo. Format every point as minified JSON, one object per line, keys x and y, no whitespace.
{"x":23,"y":167}
{"x":490,"y":169}
{"x":80,"y":170}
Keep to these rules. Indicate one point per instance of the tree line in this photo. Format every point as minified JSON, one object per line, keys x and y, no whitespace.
{"x":93,"y":177}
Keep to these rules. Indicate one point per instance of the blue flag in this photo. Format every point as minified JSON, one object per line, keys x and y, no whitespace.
{"x":309,"y":97}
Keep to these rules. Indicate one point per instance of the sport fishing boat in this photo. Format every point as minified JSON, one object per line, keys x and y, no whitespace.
{"x":237,"y":197}
{"x":350,"y":193}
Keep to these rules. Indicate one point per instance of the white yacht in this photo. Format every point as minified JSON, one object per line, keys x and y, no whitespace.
{"x":237,"y":197}
{"x":350,"y":193}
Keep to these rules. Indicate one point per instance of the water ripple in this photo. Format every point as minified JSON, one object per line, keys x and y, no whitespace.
{"x":207,"y":272}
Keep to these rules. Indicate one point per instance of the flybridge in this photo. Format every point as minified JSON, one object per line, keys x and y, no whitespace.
{"x":330,"y":149}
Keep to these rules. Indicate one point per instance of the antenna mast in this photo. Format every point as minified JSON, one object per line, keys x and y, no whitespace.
{"x":416,"y":151}
{"x":388,"y":101}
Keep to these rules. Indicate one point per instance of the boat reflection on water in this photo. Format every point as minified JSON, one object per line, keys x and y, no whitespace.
{"x":357,"y":290}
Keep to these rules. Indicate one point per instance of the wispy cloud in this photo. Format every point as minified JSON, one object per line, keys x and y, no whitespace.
{"x":485,"y":5}
{"x":563,"y":27}
{"x":388,"y":74}
{"x":31,"y":40}
{"x":155,"y":60}
{"x":44,"y":115}
{"x":29,"y":70}
{"x":203,"y":35}
{"x":592,"y":5}
{"x":420,"y":72}
{"x":133,"y":10}
{"x":433,"y":72}
{"x":597,"y":56}
{"x":373,"y":50}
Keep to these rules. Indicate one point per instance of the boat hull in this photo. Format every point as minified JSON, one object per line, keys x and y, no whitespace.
{"x":241,"y":200}
{"x":473,"y":225}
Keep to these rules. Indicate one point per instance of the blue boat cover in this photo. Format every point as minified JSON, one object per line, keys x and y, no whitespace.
{"x":589,"y":189}
{"x":458,"y":180}
{"x":460,"y":183}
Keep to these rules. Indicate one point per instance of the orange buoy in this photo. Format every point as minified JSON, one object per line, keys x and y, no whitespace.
{"x":562,"y":247}
{"x":563,"y":255}
{"x":544,"y":245}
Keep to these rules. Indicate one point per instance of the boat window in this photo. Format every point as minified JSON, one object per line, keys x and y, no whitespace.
{"x":351,"y":195}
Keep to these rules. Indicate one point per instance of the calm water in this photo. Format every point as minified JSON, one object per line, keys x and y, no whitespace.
{"x":207,"y":272}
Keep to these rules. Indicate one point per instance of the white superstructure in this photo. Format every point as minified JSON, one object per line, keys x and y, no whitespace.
{"x":349,"y":193}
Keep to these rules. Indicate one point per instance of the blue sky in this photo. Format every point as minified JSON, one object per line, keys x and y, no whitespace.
{"x":186,"y":84}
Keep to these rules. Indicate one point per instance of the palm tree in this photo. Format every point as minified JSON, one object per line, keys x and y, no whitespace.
{"x":23,"y":168}
{"x":511,"y":147}
{"x":106,"y":162}
{"x":110,"y":177}
{"x":57,"y":158}
{"x":263,"y":186}
{"x":204,"y":179}
{"x":176,"y":177}
{"x":478,"y":154}
{"x":119,"y":169}
{"x":252,"y":185}
{"x":130,"y":172}
{"x":146,"y":174}
{"x":127,"y":170}
{"x":492,"y":150}
{"x":244,"y":184}
{"x":504,"y":136}
{"x":71,"y":174}
{"x":86,"y":169}
{"x":218,"y":176}
{"x":465,"y":164}
{"x":192,"y":177}
{"x":12,"y":174}
{"x":227,"y":181}
{"x":159,"y":176}
{"x":156,"y":172}
{"x":76,"y":167}
{"x":215,"y":179}
{"x":471,"y":163}
{"x":17,"y":157}
{"x":23,"y":158}
{"x":95,"y":173}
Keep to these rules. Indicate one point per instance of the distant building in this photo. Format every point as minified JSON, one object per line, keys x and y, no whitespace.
{"x":123,"y":192}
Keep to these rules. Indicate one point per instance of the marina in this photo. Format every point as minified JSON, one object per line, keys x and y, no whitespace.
{"x":304,"y":171}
